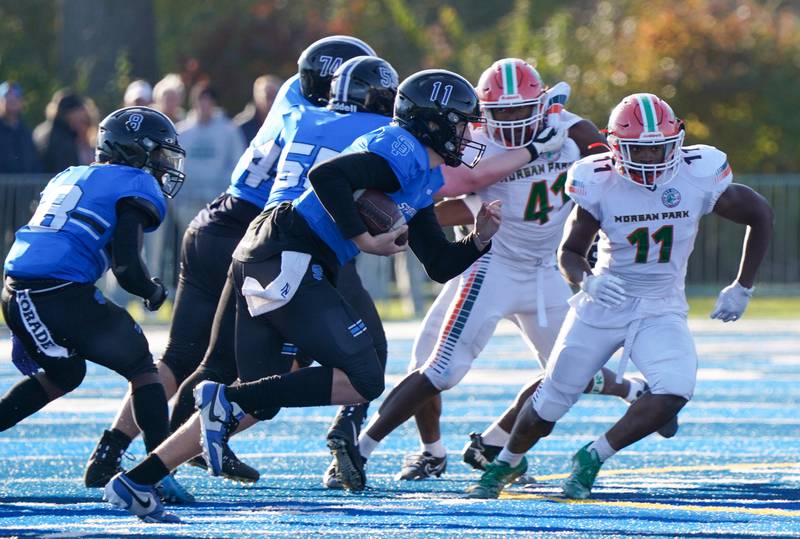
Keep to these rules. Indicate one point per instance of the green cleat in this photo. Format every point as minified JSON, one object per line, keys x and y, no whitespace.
{"x":495,"y":477}
{"x":585,"y":465}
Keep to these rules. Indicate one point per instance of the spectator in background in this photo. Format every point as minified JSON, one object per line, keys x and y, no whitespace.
{"x":168,"y":96}
{"x":139,"y":93}
{"x":265,"y":88}
{"x":66,"y":137}
{"x":17,"y":151}
{"x":213,"y":144}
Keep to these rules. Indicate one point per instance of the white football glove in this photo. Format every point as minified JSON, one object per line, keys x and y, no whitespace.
{"x":732,"y":302}
{"x":549,"y":139}
{"x":605,"y":289}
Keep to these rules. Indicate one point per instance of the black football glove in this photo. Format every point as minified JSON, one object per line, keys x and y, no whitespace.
{"x":154,"y":302}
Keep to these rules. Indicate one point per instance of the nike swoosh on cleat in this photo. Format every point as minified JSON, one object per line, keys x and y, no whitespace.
{"x":211,"y":415}
{"x":144,"y":503}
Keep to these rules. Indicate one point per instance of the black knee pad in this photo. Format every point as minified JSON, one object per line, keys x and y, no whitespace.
{"x":144,"y":365}
{"x":180,"y":367}
{"x":367,"y":375}
{"x":66,"y":374}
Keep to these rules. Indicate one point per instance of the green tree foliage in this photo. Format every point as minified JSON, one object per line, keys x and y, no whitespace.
{"x":27,"y":51}
{"x":730,"y":68}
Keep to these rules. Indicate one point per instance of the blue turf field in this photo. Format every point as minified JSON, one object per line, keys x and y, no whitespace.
{"x":733,"y":470}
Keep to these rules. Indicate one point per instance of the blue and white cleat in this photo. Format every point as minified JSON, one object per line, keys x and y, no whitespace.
{"x":139,"y":500}
{"x":172,"y":492}
{"x":218,"y":418}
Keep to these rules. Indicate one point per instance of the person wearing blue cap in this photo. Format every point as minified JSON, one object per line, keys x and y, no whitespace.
{"x":17,"y":151}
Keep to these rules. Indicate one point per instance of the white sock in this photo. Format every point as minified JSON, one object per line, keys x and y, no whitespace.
{"x":512,"y":459}
{"x":495,"y":435}
{"x":603,"y":448}
{"x":436,"y":449}
{"x":635,"y":391}
{"x":366,"y":445}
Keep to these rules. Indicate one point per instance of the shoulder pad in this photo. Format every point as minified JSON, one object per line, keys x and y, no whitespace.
{"x":145,"y":206}
{"x":702,"y":161}
{"x":587,"y":180}
{"x":595,"y":169}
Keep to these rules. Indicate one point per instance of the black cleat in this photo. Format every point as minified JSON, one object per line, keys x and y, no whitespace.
{"x":105,"y":460}
{"x":478,"y":454}
{"x":422,"y":466}
{"x":232,"y":468}
{"x":349,"y":462}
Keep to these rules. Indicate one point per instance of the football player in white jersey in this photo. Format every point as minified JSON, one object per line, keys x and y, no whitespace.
{"x":518,"y":279}
{"x":646,"y":197}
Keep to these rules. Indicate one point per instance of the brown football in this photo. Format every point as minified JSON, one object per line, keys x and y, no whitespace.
{"x":379,"y":213}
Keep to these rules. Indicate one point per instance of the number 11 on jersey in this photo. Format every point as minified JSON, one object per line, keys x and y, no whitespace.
{"x":641,"y":239}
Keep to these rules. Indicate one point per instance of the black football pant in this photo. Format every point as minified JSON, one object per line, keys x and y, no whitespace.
{"x":321,"y":323}
{"x":79,"y":319}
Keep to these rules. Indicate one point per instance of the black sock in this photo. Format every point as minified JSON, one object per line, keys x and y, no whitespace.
{"x":151,"y":414}
{"x":148,"y":472}
{"x":24,"y":399}
{"x":305,"y":387}
{"x":123,"y":439}
{"x":349,"y":421}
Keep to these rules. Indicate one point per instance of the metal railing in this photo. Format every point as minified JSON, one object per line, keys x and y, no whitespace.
{"x":715,"y":260}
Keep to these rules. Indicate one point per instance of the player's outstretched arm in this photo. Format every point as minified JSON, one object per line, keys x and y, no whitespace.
{"x":740,"y":204}
{"x":588,"y":138}
{"x":465,"y":180}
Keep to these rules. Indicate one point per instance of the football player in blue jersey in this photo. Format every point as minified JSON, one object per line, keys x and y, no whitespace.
{"x":205,"y":257}
{"x":90,"y":218}
{"x":365,"y":88}
{"x":285,"y":268}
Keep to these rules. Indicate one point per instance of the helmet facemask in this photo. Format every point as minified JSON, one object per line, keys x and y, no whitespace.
{"x":166,"y":165}
{"x":518,"y":132}
{"x":454,"y":142}
{"x":635,"y":163}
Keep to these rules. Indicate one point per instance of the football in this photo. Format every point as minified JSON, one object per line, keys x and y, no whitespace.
{"x":379,"y":213}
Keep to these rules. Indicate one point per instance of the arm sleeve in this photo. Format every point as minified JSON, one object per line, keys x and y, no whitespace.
{"x":126,"y":247}
{"x":334,"y":182}
{"x":442,"y":259}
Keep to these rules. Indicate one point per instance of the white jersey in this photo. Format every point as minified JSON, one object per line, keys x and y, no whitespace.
{"x":646,"y":236}
{"x":535,"y":201}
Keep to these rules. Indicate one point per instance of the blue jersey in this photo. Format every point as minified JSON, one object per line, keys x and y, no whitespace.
{"x":408,"y":159}
{"x":252,"y":178}
{"x":310,"y":137}
{"x":68,"y":235}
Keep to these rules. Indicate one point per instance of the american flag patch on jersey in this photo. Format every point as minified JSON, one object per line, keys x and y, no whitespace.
{"x":722,"y":172}
{"x":576,"y":186}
